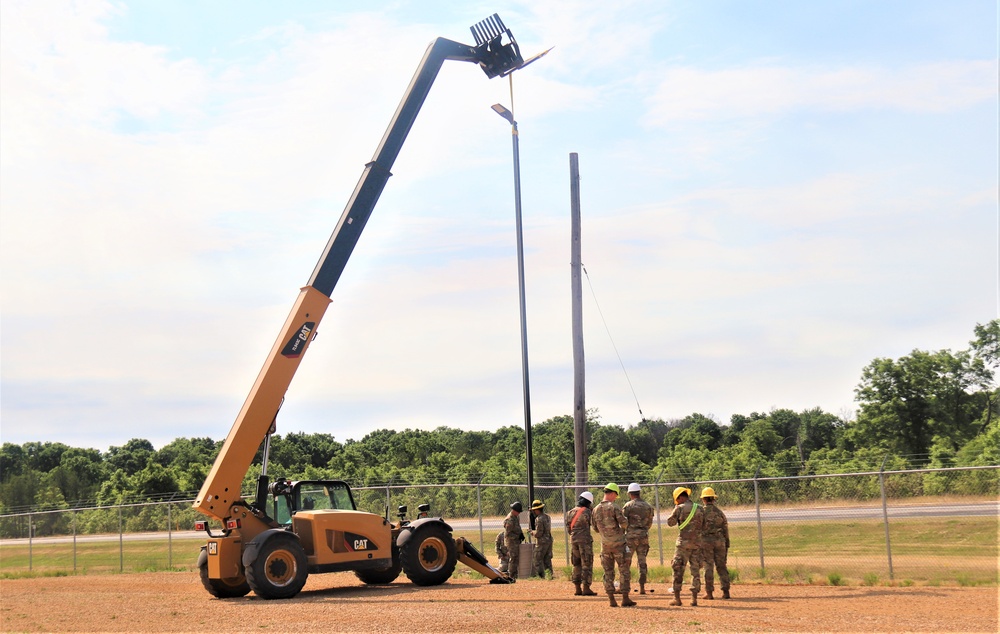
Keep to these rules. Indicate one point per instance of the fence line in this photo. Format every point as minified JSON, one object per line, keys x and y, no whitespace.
{"x":820,"y":524}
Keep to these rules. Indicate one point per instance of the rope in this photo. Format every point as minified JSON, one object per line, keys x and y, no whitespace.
{"x":608,"y":330}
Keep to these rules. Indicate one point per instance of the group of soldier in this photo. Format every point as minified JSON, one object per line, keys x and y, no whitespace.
{"x":703,"y":539}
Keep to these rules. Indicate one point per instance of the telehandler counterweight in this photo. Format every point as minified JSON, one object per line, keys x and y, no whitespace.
{"x":270,"y":544}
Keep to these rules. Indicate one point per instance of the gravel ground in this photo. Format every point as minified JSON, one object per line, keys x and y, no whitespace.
{"x":176,"y":602}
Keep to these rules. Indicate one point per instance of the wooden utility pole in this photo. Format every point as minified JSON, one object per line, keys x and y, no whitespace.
{"x":576,"y":264}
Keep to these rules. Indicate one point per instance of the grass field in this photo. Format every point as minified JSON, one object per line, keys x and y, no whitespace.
{"x":934,"y":551}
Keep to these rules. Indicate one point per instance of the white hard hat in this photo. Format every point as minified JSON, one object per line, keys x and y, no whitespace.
{"x":634,"y":487}
{"x":587,"y":495}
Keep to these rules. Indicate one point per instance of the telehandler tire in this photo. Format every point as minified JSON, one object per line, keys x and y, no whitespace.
{"x":429,"y":556}
{"x":280,"y":569}
{"x":221,"y":588}
{"x":382,"y":577}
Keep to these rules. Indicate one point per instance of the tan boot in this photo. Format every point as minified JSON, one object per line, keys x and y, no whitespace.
{"x":642,"y":587}
{"x":677,"y":598}
{"x":627,"y":602}
{"x":725,"y":593}
{"x":579,"y":590}
{"x":587,"y":592}
{"x":708,"y":594}
{"x":611,"y":600}
{"x":694,"y":597}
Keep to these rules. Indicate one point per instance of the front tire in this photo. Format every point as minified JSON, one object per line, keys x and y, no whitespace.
{"x":382,"y":577}
{"x":429,"y":557}
{"x":279,"y":570}
{"x":221,"y":588}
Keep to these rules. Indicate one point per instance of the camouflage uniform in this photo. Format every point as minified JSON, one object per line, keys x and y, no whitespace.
{"x":688,"y":548}
{"x":581,"y":544}
{"x":611,"y":524}
{"x":501,"y":553}
{"x":543,"y":545}
{"x":715,"y":547}
{"x":513,"y":536}
{"x":639,"y":514}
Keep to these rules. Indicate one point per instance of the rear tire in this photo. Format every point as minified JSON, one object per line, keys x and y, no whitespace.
{"x":382,"y":577}
{"x":222,"y":588}
{"x":280,"y":569}
{"x":429,"y":557}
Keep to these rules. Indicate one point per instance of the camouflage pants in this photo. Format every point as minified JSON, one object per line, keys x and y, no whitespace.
{"x":638,"y":546}
{"x":513,"y":555}
{"x":612,"y":554}
{"x":687,"y":554}
{"x":582,"y":556}
{"x":542,"y":558}
{"x":715,"y":552}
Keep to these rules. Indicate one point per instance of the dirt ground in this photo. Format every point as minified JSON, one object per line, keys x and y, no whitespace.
{"x":176,"y":602}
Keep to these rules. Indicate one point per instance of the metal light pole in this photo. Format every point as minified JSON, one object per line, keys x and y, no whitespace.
{"x":509,"y":116}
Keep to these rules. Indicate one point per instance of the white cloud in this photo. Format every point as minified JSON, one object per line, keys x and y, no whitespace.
{"x":690,"y":93}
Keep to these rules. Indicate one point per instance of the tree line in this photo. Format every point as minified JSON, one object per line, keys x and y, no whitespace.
{"x":926,"y":409}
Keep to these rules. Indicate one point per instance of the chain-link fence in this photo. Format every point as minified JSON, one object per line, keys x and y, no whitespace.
{"x":927,"y":526}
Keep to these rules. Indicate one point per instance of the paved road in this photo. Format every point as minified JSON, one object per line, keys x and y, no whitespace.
{"x":832,"y":513}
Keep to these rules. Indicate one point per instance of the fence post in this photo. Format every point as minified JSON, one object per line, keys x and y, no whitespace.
{"x":562,"y":490}
{"x":31,"y":535}
{"x":760,"y":533}
{"x":121,"y":542}
{"x":479,"y":510}
{"x":388,"y":504}
{"x":170,"y":541}
{"x":885,"y":514}
{"x":659,"y":521}
{"x":74,"y":542}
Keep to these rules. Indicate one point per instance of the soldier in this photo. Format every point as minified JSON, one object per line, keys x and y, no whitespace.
{"x":689,"y":519}
{"x":714,"y":544}
{"x":513,"y":536}
{"x":582,"y":544}
{"x":611,"y":524}
{"x":543,"y":540}
{"x":639,"y":514}
{"x":502,"y":555}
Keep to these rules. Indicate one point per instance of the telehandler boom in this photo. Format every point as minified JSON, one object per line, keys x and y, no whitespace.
{"x":270,"y":544}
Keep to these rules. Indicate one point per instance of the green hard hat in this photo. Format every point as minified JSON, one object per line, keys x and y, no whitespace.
{"x":611,"y":486}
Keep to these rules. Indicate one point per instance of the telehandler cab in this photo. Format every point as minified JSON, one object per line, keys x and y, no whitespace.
{"x":271,"y":543}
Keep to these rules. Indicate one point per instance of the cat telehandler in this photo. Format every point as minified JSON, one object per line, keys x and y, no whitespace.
{"x":271,"y":543}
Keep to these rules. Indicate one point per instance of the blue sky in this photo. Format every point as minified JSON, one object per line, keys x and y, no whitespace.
{"x":773,"y":195}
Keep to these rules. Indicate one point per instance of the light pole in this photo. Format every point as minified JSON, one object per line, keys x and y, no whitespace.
{"x":509,"y":116}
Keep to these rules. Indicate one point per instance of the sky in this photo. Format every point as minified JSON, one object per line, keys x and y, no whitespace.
{"x":773,"y":194}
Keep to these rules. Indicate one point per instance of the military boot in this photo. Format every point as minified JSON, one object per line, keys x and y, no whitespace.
{"x":725,"y":593}
{"x":611,"y":600}
{"x":627,"y":602}
{"x":708,"y":593}
{"x":677,"y":598}
{"x":579,"y":590}
{"x":694,"y":597}
{"x":587,"y":592}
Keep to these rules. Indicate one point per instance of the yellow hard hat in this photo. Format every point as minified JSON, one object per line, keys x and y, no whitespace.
{"x":707,"y":492}
{"x":679,"y":490}
{"x":537,"y":504}
{"x":611,"y":486}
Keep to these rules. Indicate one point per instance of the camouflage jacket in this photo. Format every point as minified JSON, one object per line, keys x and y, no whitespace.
{"x":610,"y":522}
{"x":690,"y":534}
{"x":716,"y":526}
{"x":639,"y":514}
{"x":543,"y":528}
{"x":501,"y":546}
{"x":512,"y":527}
{"x":579,"y":530}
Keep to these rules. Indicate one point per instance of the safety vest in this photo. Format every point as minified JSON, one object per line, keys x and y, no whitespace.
{"x":694,"y":507}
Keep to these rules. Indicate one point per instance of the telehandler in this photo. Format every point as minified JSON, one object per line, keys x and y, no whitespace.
{"x":272,"y":542}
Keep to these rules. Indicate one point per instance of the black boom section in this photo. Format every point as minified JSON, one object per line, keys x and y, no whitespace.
{"x":493,"y":56}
